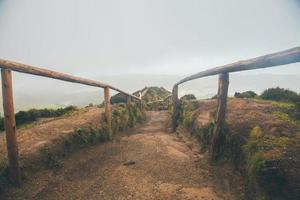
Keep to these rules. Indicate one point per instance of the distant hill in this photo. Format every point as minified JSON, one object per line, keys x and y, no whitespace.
{"x":150,"y":94}
{"x":154,"y":94}
{"x":155,"y":98}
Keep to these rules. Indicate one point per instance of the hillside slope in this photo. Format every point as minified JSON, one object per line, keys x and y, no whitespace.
{"x":262,"y":142}
{"x":48,"y":132}
{"x":42,"y":143}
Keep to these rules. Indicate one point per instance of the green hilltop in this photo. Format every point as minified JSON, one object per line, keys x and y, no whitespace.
{"x":155,"y":98}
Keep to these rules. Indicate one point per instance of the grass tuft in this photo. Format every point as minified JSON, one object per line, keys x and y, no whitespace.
{"x":52,"y":161}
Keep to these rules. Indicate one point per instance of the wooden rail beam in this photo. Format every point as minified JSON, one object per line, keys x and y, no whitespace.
{"x":23,"y":68}
{"x":270,"y":60}
{"x":107,"y":110}
{"x":218,"y":133}
{"x":10,"y":126}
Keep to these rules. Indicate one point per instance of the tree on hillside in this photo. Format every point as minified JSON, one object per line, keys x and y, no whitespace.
{"x":280,"y":94}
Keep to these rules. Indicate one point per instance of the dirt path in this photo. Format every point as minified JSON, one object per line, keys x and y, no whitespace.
{"x":164,"y":166}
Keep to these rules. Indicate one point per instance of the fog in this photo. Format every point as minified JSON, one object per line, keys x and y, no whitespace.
{"x":137,"y":43}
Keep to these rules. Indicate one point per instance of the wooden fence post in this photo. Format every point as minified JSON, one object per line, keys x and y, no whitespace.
{"x":10,"y":126}
{"x":107,"y":109}
{"x":141,"y":104}
{"x":128,"y":100}
{"x":218,"y":137}
{"x":175,"y":108}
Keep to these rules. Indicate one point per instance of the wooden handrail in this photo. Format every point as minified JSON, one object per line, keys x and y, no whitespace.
{"x":23,"y":68}
{"x":8,"y":105}
{"x":270,"y":60}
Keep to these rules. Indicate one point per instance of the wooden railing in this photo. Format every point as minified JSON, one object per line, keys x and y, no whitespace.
{"x":8,"y":105}
{"x":271,"y":60}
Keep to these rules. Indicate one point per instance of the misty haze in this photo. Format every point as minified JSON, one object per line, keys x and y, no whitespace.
{"x":150,"y":100}
{"x":120,"y":42}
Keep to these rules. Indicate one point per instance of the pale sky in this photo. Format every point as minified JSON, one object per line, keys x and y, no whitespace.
{"x":95,"y":37}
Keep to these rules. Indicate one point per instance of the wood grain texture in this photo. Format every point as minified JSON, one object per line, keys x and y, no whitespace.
{"x":175,"y":108}
{"x":218,"y":134}
{"x":10,"y":126}
{"x":107,"y":108}
{"x":128,"y":100}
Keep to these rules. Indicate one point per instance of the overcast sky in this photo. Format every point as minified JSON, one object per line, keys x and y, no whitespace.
{"x":95,"y":37}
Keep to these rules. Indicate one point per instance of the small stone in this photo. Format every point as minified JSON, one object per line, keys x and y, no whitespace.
{"x":129,"y":162}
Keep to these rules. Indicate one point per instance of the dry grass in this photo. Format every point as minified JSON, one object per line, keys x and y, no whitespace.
{"x":262,"y":141}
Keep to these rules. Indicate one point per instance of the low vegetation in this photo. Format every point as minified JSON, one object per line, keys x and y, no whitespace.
{"x":288,"y":100}
{"x":154,"y":98}
{"x":25,"y":117}
{"x":188,"y":97}
{"x":157,"y":98}
{"x":51,"y":155}
{"x":280,"y":94}
{"x":265,"y":143}
{"x":118,"y":98}
{"x":51,"y":160}
{"x":123,"y":117}
{"x":155,"y":94}
{"x":247,"y":94}
{"x":267,"y":165}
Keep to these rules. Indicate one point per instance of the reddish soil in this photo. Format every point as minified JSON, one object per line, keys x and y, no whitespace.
{"x":48,"y":131}
{"x":244,"y":114}
{"x":159,"y":165}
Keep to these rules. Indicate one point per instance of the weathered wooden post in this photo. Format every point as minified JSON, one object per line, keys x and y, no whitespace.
{"x":107,"y":109}
{"x":218,"y":137}
{"x":175,"y":107}
{"x":10,"y":126}
{"x":141,"y":104}
{"x":141,"y":100}
{"x":128,"y":100}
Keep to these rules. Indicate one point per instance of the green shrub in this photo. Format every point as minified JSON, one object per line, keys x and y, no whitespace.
{"x":124,"y":116}
{"x":204,"y":135}
{"x":120,"y":117}
{"x":214,"y":97}
{"x":118,"y":98}
{"x":247,"y":94}
{"x":104,"y":137}
{"x":186,"y":109}
{"x":24,"y":117}
{"x":280,"y":94}
{"x":297,"y":110}
{"x":52,"y":161}
{"x":284,"y":105}
{"x":93,"y":137}
{"x":263,"y":171}
{"x":188,"y":120}
{"x":256,"y":133}
{"x":4,"y":176}
{"x":188,"y":97}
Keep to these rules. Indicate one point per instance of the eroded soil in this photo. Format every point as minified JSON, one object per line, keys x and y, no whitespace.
{"x":48,"y":131}
{"x":161,"y":165}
